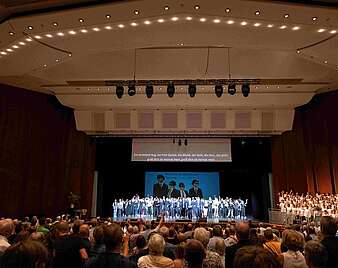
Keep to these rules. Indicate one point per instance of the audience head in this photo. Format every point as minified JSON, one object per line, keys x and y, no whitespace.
{"x":217,"y":231}
{"x":202,"y":235}
{"x":316,"y":255}
{"x":294,"y":240}
{"x":76,"y":226}
{"x":112,"y":237}
{"x":84,"y":231}
{"x":164,"y":231}
{"x":36,"y":236}
{"x":194,"y":253}
{"x":268,"y":234}
{"x":7,"y":227}
{"x":179,"y":251}
{"x":140,"y":242}
{"x":62,"y":228}
{"x":98,"y":235}
{"x":242,"y":230}
{"x":328,"y":226}
{"x":254,"y":257}
{"x":156,"y":245}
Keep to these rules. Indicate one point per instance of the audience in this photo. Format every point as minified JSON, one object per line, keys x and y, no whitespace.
{"x":7,"y":229}
{"x":179,"y":256}
{"x":316,"y":255}
{"x":194,"y":254}
{"x":328,"y":228}
{"x":293,"y":257}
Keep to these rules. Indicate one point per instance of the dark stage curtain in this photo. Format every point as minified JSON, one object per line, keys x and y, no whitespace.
{"x":42,"y":155}
{"x":306,"y":158}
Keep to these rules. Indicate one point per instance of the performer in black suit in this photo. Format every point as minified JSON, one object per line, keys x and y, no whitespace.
{"x":195,"y":191}
{"x":172,"y":191}
{"x":160,"y":189}
{"x":183,"y":192}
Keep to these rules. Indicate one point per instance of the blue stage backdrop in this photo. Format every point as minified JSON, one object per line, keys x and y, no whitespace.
{"x":208,"y":181}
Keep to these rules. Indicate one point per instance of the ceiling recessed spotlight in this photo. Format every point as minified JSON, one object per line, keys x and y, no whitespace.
{"x":9,"y":50}
{"x":70,"y":54}
{"x":314,"y":18}
{"x":72,"y":32}
{"x":160,"y":20}
{"x":230,"y":22}
{"x":333,"y":31}
{"x":108,"y":16}
{"x":60,"y":34}
{"x":15,"y":46}
{"x":203,"y":19}
{"x":22,"y":43}
{"x":257,"y":24}
{"x":29,"y":39}
{"x":136,"y":12}
{"x":216,"y":20}
{"x":196,"y":7}
{"x":3,"y":53}
{"x":11,"y":33}
{"x":181,"y":44}
{"x":283,"y":27}
{"x":188,"y":18}
{"x":227,"y":10}
{"x":121,"y":26}
{"x":296,"y":28}
{"x":108,"y":27}
{"x":270,"y":25}
{"x":95,"y":29}
{"x":49,"y":35}
{"x":37,"y":37}
{"x":325,"y":61}
{"x":321,"y":30}
{"x":267,"y":86}
{"x":147,"y":22}
{"x":243,"y":23}
{"x":45,"y":65}
{"x":55,"y":24}
{"x":57,"y":60}
{"x":278,"y":86}
{"x":83,"y":31}
{"x":30,"y":27}
{"x":174,"y":19}
{"x":286,"y":16}
{"x":133,"y":24}
{"x":166,"y":8}
{"x":257,"y":12}
{"x":81,"y":20}
{"x":298,"y":51}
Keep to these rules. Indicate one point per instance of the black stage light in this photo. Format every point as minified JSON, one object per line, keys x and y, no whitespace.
{"x":119,"y":91}
{"x":185,"y":142}
{"x":149,"y":90}
{"x":171,"y":89}
{"x":192,"y":90}
{"x":219,"y":90}
{"x":131,"y":89}
{"x":232,"y":88}
{"x":179,"y":142}
{"x":245,"y":90}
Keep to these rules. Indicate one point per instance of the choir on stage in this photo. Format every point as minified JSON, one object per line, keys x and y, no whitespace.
{"x":192,"y":208}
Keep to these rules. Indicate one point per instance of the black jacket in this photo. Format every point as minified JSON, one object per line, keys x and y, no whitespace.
{"x":159,"y":191}
{"x":192,"y":193}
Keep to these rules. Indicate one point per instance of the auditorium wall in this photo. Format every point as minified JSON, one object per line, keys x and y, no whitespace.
{"x":42,"y":155}
{"x":306,"y":158}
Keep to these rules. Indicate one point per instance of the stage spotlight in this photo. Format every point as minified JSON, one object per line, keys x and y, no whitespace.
{"x":131,"y":89}
{"x":119,"y":91}
{"x":185,"y":142}
{"x":171,"y":89}
{"x":192,"y":90}
{"x":149,"y":90}
{"x":179,"y":142}
{"x":219,"y":90}
{"x":232,"y":88}
{"x":245,"y":90}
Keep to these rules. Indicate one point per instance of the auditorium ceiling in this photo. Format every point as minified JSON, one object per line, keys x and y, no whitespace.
{"x":285,"y":52}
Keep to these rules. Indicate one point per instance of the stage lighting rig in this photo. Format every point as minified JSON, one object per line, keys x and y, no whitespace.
{"x":232,"y":88}
{"x":131,"y":89}
{"x":119,"y":91}
{"x":245,"y":90}
{"x":149,"y":90}
{"x":192,"y":90}
{"x":171,"y":89}
{"x":219,"y":90}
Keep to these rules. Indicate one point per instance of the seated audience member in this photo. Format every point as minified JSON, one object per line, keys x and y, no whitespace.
{"x":328,"y":229}
{"x":254,"y":237}
{"x":37,"y":236}
{"x":179,"y":256}
{"x":7,"y":229}
{"x":140,"y":249}
{"x":242,"y":234}
{"x":112,"y":258}
{"x":212,"y":259}
{"x":271,"y":244}
{"x":84,"y":235}
{"x":169,"y":248}
{"x":254,"y":257}
{"x":25,"y":254}
{"x":293,"y":257}
{"x":42,"y":226}
{"x":133,"y":236}
{"x":155,"y":259}
{"x":69,"y":251}
{"x":99,"y":246}
{"x":194,"y":254}
{"x":188,"y":234}
{"x":220,"y":250}
{"x":217,"y":236}
{"x":231,"y":239}
{"x":315,"y":254}
{"x":172,"y":237}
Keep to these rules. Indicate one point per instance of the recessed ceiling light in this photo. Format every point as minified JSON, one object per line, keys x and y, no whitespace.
{"x":57,"y":60}
{"x":30,"y":27}
{"x":11,"y":33}
{"x":133,"y":24}
{"x":9,"y":50}
{"x":160,"y":20}
{"x":321,"y":30}
{"x":72,"y":32}
{"x":55,"y":24}
{"x":196,"y":7}
{"x":147,"y":22}
{"x":243,"y":23}
{"x":60,"y":34}
{"x":286,"y":16}
{"x":95,"y":29}
{"x":45,"y":65}
{"x":298,"y":51}
{"x":295,"y":28}
{"x":230,"y":22}
{"x":283,"y":27}
{"x":257,"y":12}
{"x":166,"y":8}
{"x":325,"y":61}
{"x":333,"y":31}
{"x":174,"y":19}
{"x":267,"y":86}
{"x":136,"y":12}
{"x":37,"y":37}
{"x":15,"y":46}
{"x":227,"y":10}
{"x":121,"y":26}
{"x":3,"y":53}
{"x":257,"y":24}
{"x":314,"y":18}
{"x":81,"y":20}
{"x":216,"y":20}
{"x":270,"y":25}
{"x":49,"y":35}
{"x":70,"y":54}
{"x":188,"y":18}
{"x":29,"y":39}
{"x":108,"y":16}
{"x":277,"y":86}
{"x":181,"y":44}
{"x":203,"y":19}
{"x":22,"y":43}
{"x":83,"y":31}
{"x":108,"y":27}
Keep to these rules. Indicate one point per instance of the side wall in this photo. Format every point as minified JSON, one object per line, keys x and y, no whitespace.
{"x":42,"y":155}
{"x":306,"y":158}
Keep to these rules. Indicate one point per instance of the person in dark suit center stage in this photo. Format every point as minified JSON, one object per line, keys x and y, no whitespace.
{"x":195,"y":191}
{"x":183,"y":193}
{"x":172,"y":191}
{"x":160,"y":189}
